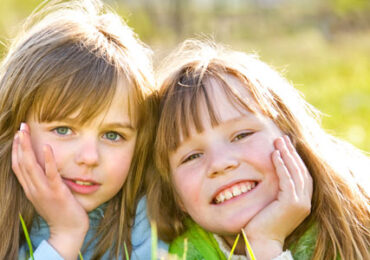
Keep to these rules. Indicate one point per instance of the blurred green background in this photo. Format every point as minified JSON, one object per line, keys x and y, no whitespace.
{"x":322,"y":46}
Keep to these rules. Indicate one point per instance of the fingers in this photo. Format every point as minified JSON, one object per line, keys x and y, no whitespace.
{"x":28,"y":161}
{"x":295,"y":169}
{"x":25,"y":128}
{"x":15,"y":165}
{"x":307,"y":179}
{"x":285,"y":181}
{"x":51,"y":169}
{"x":289,"y":156}
{"x":24,"y":163}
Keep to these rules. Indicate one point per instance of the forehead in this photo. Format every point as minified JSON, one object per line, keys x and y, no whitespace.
{"x":225,"y":100}
{"x":120,"y":106}
{"x":229,"y":99}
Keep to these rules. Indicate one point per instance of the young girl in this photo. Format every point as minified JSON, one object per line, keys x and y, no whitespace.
{"x":238,"y":148}
{"x":73,"y":142}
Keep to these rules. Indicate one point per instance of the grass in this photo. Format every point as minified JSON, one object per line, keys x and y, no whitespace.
{"x":126,"y":251}
{"x":24,"y":227}
{"x":234,"y":246}
{"x":154,"y":238}
{"x":249,"y":248}
{"x":28,"y":239}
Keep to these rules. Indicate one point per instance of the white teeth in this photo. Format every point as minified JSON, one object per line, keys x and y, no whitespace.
{"x":86,"y":183}
{"x":234,"y":191}
{"x":228,"y":195}
{"x":220,"y":198}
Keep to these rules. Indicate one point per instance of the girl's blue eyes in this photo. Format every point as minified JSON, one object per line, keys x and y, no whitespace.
{"x":111,"y":135}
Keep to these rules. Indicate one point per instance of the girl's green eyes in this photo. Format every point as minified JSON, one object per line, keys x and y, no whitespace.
{"x":62,"y":130}
{"x":111,"y":136}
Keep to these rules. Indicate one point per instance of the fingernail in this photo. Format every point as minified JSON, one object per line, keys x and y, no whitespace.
{"x":278,"y":153}
{"x":280,"y":141}
{"x":20,"y":135}
{"x":23,"y":126}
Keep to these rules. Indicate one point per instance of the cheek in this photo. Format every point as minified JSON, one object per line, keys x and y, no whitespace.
{"x":118,"y":163}
{"x":188,"y":186}
{"x":258,"y":153}
{"x":59,"y":151}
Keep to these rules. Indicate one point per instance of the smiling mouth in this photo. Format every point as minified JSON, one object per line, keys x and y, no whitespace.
{"x":85,"y":183}
{"x":82,"y":186}
{"x":234,"y":191}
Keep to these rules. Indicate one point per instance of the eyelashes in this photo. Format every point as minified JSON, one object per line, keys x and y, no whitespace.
{"x":112,"y":136}
{"x":241,"y":136}
{"x":62,"y":130}
{"x":191,"y":157}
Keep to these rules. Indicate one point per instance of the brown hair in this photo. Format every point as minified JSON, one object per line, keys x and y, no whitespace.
{"x":69,"y":58}
{"x":340,"y":205}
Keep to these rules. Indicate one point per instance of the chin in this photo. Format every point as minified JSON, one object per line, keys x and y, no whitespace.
{"x":238,"y":221}
{"x":87,"y":206}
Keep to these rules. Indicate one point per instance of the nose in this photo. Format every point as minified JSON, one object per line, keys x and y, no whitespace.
{"x":88,"y":152}
{"x":221,"y":160}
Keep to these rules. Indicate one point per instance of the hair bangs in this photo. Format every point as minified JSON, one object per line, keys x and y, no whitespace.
{"x":190,"y":100}
{"x":86,"y":90}
{"x":184,"y":105}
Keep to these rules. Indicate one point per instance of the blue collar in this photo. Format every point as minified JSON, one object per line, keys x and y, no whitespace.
{"x":40,"y":229}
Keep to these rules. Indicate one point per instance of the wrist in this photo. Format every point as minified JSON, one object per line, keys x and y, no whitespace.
{"x":68,"y":245}
{"x":266,"y":249}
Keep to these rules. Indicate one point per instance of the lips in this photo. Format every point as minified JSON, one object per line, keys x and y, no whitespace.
{"x":82,"y":186}
{"x":233,"y":191}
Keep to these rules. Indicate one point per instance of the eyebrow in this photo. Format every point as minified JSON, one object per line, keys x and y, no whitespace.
{"x":119,"y":125}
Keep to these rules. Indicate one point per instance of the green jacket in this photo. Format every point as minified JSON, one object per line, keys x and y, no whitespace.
{"x":200,"y":244}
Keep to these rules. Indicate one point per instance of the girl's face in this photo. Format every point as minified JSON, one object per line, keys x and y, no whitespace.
{"x":93,"y":159}
{"x":224,"y":175}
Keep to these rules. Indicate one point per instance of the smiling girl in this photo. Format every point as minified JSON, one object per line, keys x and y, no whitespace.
{"x":238,"y":148}
{"x":73,"y":138}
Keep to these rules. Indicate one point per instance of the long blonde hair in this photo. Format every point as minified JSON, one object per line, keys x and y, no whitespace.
{"x":340,"y":205}
{"x":69,"y":58}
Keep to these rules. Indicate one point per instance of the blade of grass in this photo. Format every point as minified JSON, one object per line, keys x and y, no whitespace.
{"x":27,"y":236}
{"x":80,"y":255}
{"x":249,"y":248}
{"x":234,"y":246}
{"x":154,"y":240}
{"x":126,"y":251}
{"x":185,"y":249}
